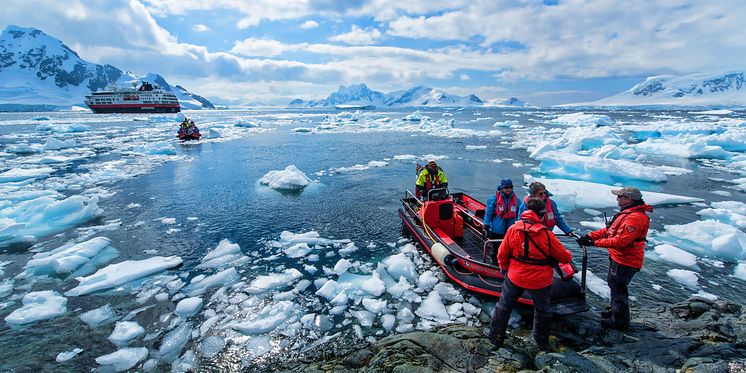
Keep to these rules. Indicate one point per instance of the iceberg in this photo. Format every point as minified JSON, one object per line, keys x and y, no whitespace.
{"x":122,"y":273}
{"x":291,"y":178}
{"x":38,"y":306}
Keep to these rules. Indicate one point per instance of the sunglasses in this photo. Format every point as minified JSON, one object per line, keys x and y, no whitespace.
{"x":541,"y":193}
{"x":508,"y":187}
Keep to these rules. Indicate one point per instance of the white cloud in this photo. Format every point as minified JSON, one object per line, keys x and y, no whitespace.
{"x":464,"y":77}
{"x":200,"y":28}
{"x":358,"y":36}
{"x":309,"y":25}
{"x":252,"y":47}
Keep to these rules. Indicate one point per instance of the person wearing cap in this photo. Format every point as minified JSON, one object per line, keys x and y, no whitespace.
{"x":502,"y":210}
{"x":625,"y":239}
{"x":430,"y":177}
{"x":552,"y":216}
{"x":526,"y":257}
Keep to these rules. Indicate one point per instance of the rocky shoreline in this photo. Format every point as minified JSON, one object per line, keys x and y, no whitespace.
{"x":696,"y":335}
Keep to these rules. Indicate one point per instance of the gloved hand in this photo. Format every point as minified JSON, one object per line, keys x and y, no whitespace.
{"x":585,"y":241}
{"x":485,"y":233}
{"x":571,"y":234}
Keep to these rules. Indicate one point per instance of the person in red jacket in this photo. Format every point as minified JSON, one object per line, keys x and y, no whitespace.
{"x":625,"y":239}
{"x":526,"y":257}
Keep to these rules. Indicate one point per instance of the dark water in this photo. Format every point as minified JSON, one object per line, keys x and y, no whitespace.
{"x":218,"y":184}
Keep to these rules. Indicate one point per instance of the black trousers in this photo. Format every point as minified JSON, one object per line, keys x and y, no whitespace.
{"x":511,"y":292}
{"x":618,"y":279}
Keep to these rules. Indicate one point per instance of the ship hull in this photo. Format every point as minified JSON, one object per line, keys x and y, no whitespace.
{"x":109,"y":109}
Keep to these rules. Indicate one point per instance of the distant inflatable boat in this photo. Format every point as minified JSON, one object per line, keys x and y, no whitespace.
{"x":148,"y":98}
{"x":449,"y":227}
{"x":354,"y":107}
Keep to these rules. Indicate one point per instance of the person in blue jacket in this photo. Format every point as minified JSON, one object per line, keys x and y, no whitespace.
{"x":551,"y":216}
{"x":502,"y":210}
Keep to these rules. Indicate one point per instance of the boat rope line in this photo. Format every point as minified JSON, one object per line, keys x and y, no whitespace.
{"x":487,"y":282}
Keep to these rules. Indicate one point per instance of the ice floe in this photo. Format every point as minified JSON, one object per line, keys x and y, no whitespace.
{"x":38,"y":306}
{"x":291,"y":178}
{"x":121,"y":273}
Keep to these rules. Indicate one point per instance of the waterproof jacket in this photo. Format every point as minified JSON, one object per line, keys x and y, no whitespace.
{"x":625,"y":237}
{"x":426,"y":181}
{"x":558,"y":219}
{"x":494,"y":223}
{"x":512,"y":249}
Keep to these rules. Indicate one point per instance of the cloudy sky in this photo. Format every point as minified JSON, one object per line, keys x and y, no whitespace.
{"x":269,"y":51}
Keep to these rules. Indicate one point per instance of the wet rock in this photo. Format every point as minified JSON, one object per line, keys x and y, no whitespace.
{"x":696,"y":335}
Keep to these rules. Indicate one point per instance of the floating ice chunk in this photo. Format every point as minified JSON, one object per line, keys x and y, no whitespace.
{"x":291,"y":178}
{"x":45,"y":215}
{"x":65,"y":356}
{"x":98,"y":316}
{"x":727,"y":212}
{"x":448,"y":292}
{"x":373,"y":285}
{"x":400,"y":265}
{"x":211,"y":346}
{"x":703,"y":294}
{"x":121,"y":273}
{"x":188,"y":306}
{"x":174,"y":341}
{"x":342,"y":266}
{"x":414,"y":117}
{"x":348,"y":248}
{"x":740,"y":271}
{"x":594,"y":195}
{"x":387,"y":321}
{"x":675,"y":255}
{"x":158,"y":148}
{"x":54,"y":144}
{"x":37,"y":306}
{"x":405,"y":157}
{"x":125,"y":331}
{"x":595,"y":284}
{"x":124,"y":358}
{"x":199,"y":285}
{"x":365,"y":318}
{"x":6,"y":287}
{"x":596,"y":168}
{"x":19,"y":174}
{"x":23,"y":149}
{"x":274,"y":281}
{"x":405,"y":315}
{"x":398,"y":289}
{"x":298,"y":250}
{"x":168,"y":220}
{"x":267,"y":319}
{"x":70,"y":257}
{"x":246,"y":124}
{"x":582,"y":119}
{"x":329,"y":290}
{"x":311,"y":238}
{"x":432,"y":308}
{"x":684,"y":277}
{"x":374,"y":305}
{"x":225,"y":254}
{"x":427,"y":280}
{"x":708,"y":237}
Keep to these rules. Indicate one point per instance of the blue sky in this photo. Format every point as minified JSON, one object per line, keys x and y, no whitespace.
{"x":544,"y":52}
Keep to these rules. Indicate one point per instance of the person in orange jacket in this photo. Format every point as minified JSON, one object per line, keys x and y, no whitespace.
{"x":625,"y":239}
{"x":526,"y":257}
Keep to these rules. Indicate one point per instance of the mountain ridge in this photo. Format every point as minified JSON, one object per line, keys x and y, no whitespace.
{"x":40,"y":72}
{"x":418,"y":96}
{"x":724,"y":90}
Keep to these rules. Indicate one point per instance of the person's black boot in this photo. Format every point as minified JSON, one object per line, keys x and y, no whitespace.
{"x":606,"y":313}
{"x":498,"y":325}
{"x":542,"y":325}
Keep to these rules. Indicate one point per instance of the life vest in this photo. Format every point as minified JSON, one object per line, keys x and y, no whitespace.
{"x":565,"y":270}
{"x":429,"y":181}
{"x":506,"y":212}
{"x":548,"y":219}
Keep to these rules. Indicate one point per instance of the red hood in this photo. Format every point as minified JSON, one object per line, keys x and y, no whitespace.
{"x":530,"y":221}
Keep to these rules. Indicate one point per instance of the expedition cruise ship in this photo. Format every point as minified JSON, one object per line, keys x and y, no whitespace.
{"x":148,"y":98}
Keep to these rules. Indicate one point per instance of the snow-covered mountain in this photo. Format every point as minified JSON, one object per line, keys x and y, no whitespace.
{"x":696,"y":90}
{"x":507,"y":102}
{"x":361,"y":95}
{"x":39,"y":72}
